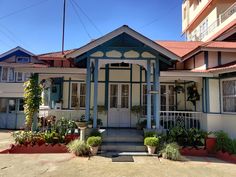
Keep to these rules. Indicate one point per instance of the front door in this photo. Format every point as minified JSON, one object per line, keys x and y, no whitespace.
{"x":119,"y":105}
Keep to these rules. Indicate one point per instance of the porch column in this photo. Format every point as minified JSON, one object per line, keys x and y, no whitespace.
{"x":149,"y":94}
{"x":88,"y":77}
{"x":157,"y":95}
{"x":95,"y":98}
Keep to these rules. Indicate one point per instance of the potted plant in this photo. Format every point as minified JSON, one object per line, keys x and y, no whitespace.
{"x":151,"y":143}
{"x":211,"y":142}
{"x":81,"y":123}
{"x":90,"y":123}
{"x":94,"y":142}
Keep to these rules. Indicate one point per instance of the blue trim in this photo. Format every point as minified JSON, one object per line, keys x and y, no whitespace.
{"x":69,"y":95}
{"x":140,"y":86}
{"x":157,"y":96}
{"x":219,"y":58}
{"x":88,"y":90}
{"x":106,"y":86}
{"x":95,"y":97}
{"x":131,"y":79}
{"x":206,"y":58}
{"x":149,"y":106}
{"x":17,"y":53}
{"x":220,"y":96}
{"x":207,"y":96}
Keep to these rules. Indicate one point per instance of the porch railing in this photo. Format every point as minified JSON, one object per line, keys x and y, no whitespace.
{"x":169,"y":119}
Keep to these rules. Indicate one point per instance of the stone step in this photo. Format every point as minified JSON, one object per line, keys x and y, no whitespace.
{"x":123,"y":147}
{"x":131,"y":139}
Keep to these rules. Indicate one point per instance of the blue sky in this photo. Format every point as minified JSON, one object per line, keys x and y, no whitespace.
{"x":38,"y":28}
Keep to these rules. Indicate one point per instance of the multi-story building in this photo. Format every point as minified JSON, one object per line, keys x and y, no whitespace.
{"x":207,"y":20}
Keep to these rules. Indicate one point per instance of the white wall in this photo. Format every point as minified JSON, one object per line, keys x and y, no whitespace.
{"x":11,"y":90}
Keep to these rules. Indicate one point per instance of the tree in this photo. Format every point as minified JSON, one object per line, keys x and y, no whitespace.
{"x":32,"y":100}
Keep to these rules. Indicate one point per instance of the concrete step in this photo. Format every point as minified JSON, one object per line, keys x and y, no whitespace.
{"x":123,"y":147}
{"x":131,"y":139}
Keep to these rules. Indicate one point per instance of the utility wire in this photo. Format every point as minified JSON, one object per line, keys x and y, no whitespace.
{"x":77,"y":13}
{"x":158,"y":18}
{"x":20,"y":10}
{"x":90,"y":20}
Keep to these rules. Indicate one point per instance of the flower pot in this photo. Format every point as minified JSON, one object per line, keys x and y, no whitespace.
{"x":94,"y":150}
{"x":90,"y":126}
{"x":81,"y":124}
{"x":210,"y":144}
{"x":151,"y":149}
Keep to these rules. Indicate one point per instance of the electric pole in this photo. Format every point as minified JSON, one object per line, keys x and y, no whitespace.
{"x":63,"y":27}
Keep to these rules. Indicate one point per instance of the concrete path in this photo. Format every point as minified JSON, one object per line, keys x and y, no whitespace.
{"x":30,"y":165}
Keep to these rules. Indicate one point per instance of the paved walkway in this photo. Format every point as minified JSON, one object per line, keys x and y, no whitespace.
{"x":29,"y":165}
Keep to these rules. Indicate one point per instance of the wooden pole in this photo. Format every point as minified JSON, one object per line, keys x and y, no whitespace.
{"x":63,"y":26}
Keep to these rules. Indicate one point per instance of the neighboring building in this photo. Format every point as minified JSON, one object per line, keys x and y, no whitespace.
{"x":207,"y":20}
{"x":186,"y":83}
{"x":11,"y":85}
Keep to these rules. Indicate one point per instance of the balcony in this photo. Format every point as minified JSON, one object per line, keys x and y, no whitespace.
{"x":214,"y":27}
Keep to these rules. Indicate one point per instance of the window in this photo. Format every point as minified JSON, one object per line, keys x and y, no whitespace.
{"x":167,"y":98}
{"x":229,"y":95}
{"x":21,"y":104}
{"x":3,"y":105}
{"x":78,"y":93}
{"x":22,"y":59}
{"x":4,"y":74}
{"x":11,"y":75}
{"x":19,"y":77}
{"x":27,"y":76}
{"x":121,"y":65}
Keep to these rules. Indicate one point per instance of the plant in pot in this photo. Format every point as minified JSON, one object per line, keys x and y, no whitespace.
{"x":90,"y":123}
{"x":151,"y":143}
{"x":94,"y":142}
{"x":171,"y":151}
{"x":81,"y":122}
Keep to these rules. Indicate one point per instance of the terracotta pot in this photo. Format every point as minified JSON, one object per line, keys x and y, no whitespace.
{"x":151,"y":149}
{"x":94,"y":150}
{"x":210,"y":144}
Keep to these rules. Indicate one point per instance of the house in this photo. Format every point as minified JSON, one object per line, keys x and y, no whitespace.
{"x":186,"y":83}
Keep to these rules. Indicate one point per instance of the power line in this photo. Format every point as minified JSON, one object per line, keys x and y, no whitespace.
{"x":90,"y":20}
{"x":77,"y":13}
{"x":158,"y":18}
{"x":20,"y":10}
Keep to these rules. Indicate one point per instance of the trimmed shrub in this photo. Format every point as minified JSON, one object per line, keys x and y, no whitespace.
{"x":150,"y":134}
{"x":151,"y":141}
{"x":171,"y":151}
{"x":95,"y":133}
{"x":79,"y":148}
{"x":94,"y":141}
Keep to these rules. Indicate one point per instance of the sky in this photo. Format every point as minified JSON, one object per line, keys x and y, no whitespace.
{"x":36,"y":25}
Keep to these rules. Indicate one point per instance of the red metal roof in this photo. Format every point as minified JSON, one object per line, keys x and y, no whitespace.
{"x":180,"y":48}
{"x":55,"y":55}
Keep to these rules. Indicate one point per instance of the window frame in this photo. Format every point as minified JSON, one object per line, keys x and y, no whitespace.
{"x":78,"y":94}
{"x":222,"y":96}
{"x":17,"y":59}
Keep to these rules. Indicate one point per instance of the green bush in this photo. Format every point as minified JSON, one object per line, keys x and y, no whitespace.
{"x":21,"y":137}
{"x":151,"y":141}
{"x":171,"y":151}
{"x":95,"y":132}
{"x":234,"y":146}
{"x":79,"y":148}
{"x":94,"y":141}
{"x":150,"y":134}
{"x":223,"y":142}
{"x":196,"y":137}
{"x":179,"y":135}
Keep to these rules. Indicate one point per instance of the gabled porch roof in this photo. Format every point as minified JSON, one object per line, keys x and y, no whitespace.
{"x":130,"y":32}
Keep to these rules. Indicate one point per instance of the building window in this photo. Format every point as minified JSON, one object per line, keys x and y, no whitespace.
{"x":78,"y":93}
{"x":120,"y":65}
{"x":4,"y":74}
{"x":229,"y":95}
{"x":19,"y":77}
{"x":22,"y":59}
{"x":3,"y":105}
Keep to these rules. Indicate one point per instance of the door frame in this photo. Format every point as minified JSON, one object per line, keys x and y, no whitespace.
{"x":119,"y":98}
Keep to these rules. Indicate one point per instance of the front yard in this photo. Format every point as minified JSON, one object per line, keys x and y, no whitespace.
{"x":69,"y":165}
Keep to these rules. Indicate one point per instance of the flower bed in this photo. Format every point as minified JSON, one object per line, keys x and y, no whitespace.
{"x":226,"y":156}
{"x":31,"y":149}
{"x":194,"y":152}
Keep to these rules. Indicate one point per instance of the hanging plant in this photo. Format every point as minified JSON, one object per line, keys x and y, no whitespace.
{"x":179,"y":89}
{"x":193,"y":94}
{"x":32,"y":99}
